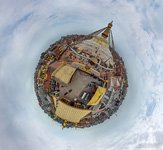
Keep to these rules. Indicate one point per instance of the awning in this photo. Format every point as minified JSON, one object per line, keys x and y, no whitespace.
{"x":94,"y":60}
{"x":69,"y":113}
{"x":83,"y":68}
{"x":64,"y":73}
{"x":97,"y":96}
{"x":54,"y":100}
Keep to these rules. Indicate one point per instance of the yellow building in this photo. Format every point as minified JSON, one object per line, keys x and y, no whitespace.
{"x":64,"y":73}
{"x":70,"y":113}
{"x":100,"y":92}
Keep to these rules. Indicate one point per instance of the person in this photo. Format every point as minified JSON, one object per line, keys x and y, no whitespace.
{"x":66,"y":93}
{"x":70,"y":90}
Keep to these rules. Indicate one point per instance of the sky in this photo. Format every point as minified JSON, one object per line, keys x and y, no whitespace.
{"x":28,"y":27}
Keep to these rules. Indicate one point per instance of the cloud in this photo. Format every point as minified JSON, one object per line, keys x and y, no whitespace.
{"x":28,"y":28}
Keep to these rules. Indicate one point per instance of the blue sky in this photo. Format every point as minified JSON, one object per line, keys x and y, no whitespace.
{"x":28,"y":27}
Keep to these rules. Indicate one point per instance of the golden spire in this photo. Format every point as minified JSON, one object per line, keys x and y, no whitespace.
{"x":64,"y":124}
{"x":106,"y":32}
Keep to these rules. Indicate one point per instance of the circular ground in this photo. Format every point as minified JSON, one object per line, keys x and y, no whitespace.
{"x":80,"y":80}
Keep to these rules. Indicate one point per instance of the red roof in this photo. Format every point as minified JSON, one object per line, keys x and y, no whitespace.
{"x":115,"y":83}
{"x":55,"y":64}
{"x":47,"y":82}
